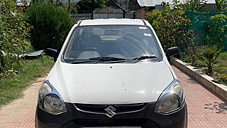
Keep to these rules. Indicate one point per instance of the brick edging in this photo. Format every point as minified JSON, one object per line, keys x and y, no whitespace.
{"x":218,"y":89}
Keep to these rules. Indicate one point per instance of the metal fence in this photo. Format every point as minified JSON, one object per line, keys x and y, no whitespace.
{"x":77,"y":17}
{"x":113,"y":15}
{"x":199,"y":23}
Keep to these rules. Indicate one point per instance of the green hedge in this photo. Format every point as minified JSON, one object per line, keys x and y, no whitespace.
{"x":51,"y":25}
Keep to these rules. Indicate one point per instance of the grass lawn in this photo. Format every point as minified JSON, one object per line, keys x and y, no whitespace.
{"x":12,"y":87}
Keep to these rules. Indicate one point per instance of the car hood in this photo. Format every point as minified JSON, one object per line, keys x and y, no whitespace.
{"x":118,"y":83}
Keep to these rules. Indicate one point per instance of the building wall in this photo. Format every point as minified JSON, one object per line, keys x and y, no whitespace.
{"x":140,"y":14}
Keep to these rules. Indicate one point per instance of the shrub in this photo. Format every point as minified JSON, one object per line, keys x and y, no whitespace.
{"x":209,"y":55}
{"x":214,"y":42}
{"x":195,"y":5}
{"x":216,"y":30}
{"x":221,"y":78}
{"x":88,"y":6}
{"x":13,"y":33}
{"x":221,"y":5}
{"x":50,"y":25}
{"x":170,"y":26}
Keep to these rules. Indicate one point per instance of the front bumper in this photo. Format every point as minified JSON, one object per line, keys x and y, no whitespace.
{"x":144,"y":118}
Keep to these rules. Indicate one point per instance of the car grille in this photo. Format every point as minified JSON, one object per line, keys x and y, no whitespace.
{"x":122,"y":108}
{"x":112,"y":122}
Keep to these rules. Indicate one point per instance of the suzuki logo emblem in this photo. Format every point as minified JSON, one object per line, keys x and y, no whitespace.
{"x":110,"y":111}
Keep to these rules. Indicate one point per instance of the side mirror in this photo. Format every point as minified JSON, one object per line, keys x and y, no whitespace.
{"x":173,"y":51}
{"x":52,"y":52}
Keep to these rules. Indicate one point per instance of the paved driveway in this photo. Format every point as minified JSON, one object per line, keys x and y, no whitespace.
{"x":205,"y":109}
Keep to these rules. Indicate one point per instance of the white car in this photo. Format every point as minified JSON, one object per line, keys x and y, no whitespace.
{"x":111,"y":73}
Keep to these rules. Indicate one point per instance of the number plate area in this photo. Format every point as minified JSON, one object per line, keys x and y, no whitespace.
{"x":113,"y":127}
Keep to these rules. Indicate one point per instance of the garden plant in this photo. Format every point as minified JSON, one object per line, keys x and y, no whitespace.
{"x":170,"y":25}
{"x":14,"y":31}
{"x":50,"y":25}
{"x":214,"y":43}
{"x":172,"y":28}
{"x":16,"y":73}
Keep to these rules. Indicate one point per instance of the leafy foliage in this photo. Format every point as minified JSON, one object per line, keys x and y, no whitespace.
{"x":70,"y":6}
{"x":13,"y":33}
{"x":209,"y":54}
{"x":221,"y":5}
{"x":171,"y":26}
{"x":195,"y":5}
{"x":87,"y":6}
{"x":51,"y":25}
{"x":172,"y":29}
{"x":216,"y":30}
{"x":221,"y":68}
{"x":55,"y":2}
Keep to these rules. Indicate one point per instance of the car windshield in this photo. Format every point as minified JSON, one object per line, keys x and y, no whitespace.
{"x":111,"y":43}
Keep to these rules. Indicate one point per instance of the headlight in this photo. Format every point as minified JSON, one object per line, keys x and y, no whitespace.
{"x":50,"y":100}
{"x":171,"y":100}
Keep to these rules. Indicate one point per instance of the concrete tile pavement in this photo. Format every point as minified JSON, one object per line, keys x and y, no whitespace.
{"x":20,"y":113}
{"x":205,"y":109}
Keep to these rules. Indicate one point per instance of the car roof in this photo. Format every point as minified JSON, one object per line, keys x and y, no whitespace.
{"x":112,"y":22}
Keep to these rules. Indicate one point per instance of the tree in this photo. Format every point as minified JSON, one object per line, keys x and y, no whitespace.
{"x":55,"y":2}
{"x":87,"y":6}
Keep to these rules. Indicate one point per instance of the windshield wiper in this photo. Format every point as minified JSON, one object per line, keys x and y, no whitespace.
{"x":83,"y":61}
{"x":97,"y":59}
{"x":107,"y":58}
{"x":144,"y":57}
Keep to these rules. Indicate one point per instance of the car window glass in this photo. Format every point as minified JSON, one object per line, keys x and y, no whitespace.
{"x":111,"y":41}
